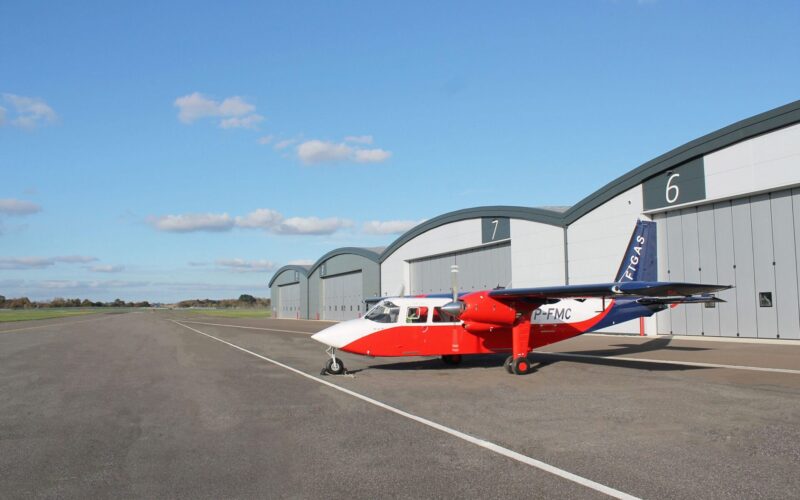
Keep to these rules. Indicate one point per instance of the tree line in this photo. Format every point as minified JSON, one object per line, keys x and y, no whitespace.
{"x":244,"y":300}
{"x":26,"y":303}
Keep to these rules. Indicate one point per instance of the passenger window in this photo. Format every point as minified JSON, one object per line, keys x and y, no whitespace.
{"x":417,"y":315}
{"x":440,"y":316}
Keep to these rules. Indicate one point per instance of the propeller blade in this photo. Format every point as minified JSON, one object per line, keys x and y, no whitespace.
{"x":454,"y":280}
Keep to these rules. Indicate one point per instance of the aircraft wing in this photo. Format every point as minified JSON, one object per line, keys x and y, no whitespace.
{"x":649,"y":289}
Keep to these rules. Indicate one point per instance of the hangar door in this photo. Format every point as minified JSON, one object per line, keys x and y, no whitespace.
{"x":342,"y":297}
{"x":289,"y":301}
{"x":478,"y":269}
{"x":751,"y":243}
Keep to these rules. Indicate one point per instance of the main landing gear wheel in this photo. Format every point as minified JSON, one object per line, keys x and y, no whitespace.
{"x":507,"y":364}
{"x":451,"y":359}
{"x":521,"y":366}
{"x":334,"y":366}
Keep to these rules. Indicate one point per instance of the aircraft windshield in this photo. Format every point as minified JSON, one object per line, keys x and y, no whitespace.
{"x":384,"y":312}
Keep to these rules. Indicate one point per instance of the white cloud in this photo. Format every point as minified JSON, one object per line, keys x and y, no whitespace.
{"x":11,"y":206}
{"x":234,"y":111}
{"x":2,"y":115}
{"x":75,"y":259}
{"x":249,"y":121}
{"x":187,"y":223}
{"x":106,"y":268}
{"x":389,"y":226}
{"x":235,"y":106}
{"x":25,"y":262}
{"x":284,"y":144}
{"x":263,"y":218}
{"x":300,"y":262}
{"x":371,"y":155}
{"x":359,"y":139}
{"x":266,"y":139}
{"x":311,"y":225}
{"x":245,"y":266}
{"x":30,"y":111}
{"x":315,"y":151}
{"x":42,"y":262}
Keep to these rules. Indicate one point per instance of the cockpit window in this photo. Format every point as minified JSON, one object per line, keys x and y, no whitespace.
{"x":384,"y":312}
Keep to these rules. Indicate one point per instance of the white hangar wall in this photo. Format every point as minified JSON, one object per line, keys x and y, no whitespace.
{"x":530,"y":253}
{"x":537,"y":254}
{"x":766,"y":162}
{"x":395,"y":270}
{"x":596,"y":243}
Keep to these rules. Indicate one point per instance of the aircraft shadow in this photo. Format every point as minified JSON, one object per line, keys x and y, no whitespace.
{"x":657,"y":344}
{"x":541,"y":360}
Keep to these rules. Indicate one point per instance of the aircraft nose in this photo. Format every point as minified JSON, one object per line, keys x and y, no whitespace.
{"x":334,"y":336}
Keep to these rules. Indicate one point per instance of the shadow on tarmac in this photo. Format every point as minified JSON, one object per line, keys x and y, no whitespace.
{"x":541,"y":360}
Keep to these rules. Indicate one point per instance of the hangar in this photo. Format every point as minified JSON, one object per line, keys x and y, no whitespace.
{"x":340,"y":280}
{"x":289,"y":292}
{"x":727,"y":208}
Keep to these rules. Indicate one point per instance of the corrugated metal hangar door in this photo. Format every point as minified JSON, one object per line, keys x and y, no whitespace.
{"x":751,"y":243}
{"x":289,"y":302}
{"x":342,"y":297}
{"x":478,"y":269}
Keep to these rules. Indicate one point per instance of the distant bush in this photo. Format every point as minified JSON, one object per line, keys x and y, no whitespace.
{"x":244,"y":300}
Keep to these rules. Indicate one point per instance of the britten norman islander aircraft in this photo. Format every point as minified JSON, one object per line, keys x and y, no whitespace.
{"x":514,"y":320}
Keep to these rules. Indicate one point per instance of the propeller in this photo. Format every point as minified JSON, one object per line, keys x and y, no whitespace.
{"x":454,"y":281}
{"x":455,"y":307}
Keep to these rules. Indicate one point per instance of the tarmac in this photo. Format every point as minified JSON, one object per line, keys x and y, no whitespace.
{"x":158,"y":404}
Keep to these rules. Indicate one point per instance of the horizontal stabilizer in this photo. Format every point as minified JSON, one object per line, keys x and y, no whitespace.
{"x":701,"y":299}
{"x":662,"y":289}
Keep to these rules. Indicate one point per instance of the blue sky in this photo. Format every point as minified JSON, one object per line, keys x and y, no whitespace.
{"x":171,"y":150}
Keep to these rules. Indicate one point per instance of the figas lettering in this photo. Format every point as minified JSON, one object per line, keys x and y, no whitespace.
{"x":634,"y":260}
{"x":553,"y":313}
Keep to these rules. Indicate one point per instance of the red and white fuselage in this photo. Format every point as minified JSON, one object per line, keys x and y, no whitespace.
{"x":416,"y":326}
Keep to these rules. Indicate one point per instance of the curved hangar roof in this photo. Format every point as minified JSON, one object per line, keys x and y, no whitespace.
{"x":544,"y":216}
{"x":303,"y":270}
{"x":372,"y":254}
{"x":558,"y":216}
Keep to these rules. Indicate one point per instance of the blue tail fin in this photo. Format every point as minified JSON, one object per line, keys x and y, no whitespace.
{"x":640,"y":262}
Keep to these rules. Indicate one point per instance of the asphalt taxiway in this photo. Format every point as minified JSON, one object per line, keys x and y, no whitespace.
{"x":163,"y":404}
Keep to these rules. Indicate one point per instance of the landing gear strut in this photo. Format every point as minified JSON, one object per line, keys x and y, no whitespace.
{"x":518,"y":363}
{"x":333,"y":366}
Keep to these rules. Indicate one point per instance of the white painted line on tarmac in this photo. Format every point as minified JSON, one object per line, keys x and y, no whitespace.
{"x":672,"y":362}
{"x":246,"y":327}
{"x":588,"y":483}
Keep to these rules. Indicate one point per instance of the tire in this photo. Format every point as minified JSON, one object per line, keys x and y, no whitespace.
{"x":521,"y":366}
{"x":334,"y":370}
{"x":507,"y":364}
{"x":451,"y":359}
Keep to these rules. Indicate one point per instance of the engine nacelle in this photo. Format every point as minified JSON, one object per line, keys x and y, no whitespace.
{"x":480,"y":308}
{"x":473,"y":327}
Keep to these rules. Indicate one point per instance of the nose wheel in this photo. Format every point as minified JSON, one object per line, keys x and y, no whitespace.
{"x":333,"y":366}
